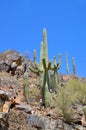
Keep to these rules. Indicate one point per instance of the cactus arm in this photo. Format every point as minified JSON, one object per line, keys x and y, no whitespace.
{"x":58,"y":65}
{"x":34,"y":70}
{"x":44,"y":64}
{"x":38,"y":66}
{"x":49,"y":65}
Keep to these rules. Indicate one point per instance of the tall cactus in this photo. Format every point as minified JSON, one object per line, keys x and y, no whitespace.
{"x":42,"y":69}
{"x":67,"y":66}
{"x":74,"y":66}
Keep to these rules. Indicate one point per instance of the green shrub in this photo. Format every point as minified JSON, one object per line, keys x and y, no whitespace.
{"x":64,"y":102}
{"x":73,"y":93}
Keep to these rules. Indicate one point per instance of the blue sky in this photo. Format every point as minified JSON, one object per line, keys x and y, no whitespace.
{"x":22,"y":22}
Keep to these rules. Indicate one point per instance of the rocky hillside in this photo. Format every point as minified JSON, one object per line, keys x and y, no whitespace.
{"x":16,"y":113}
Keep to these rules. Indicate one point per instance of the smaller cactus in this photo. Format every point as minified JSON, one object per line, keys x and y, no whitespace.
{"x":59,"y":58}
{"x":34,"y":56}
{"x":74,"y":66}
{"x":26,"y":90}
{"x":67,"y":66}
{"x":56,"y":68}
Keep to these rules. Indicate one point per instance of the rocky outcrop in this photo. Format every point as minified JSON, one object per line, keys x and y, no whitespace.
{"x":11,"y":61}
{"x":23,"y":121}
{"x":10,"y":85}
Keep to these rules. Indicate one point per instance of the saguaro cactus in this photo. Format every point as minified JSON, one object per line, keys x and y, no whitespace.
{"x":56,"y":67}
{"x":67,"y":66}
{"x":34,"y":56}
{"x":42,"y":69}
{"x":74,"y":66}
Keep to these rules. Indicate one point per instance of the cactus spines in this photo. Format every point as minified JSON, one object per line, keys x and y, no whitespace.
{"x":26,"y":90}
{"x":67,"y":66}
{"x":74,"y":65}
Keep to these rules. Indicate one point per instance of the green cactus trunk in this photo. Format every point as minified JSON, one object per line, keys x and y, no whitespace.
{"x":34,"y":56}
{"x":55,"y":71}
{"x":45,"y":90}
{"x":26,"y":89}
{"x":47,"y":96}
{"x":67,"y":66}
{"x":74,"y":66}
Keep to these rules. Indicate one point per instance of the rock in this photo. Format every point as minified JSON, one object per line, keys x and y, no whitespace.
{"x":13,"y":68}
{"x":6,"y":106}
{"x":4,"y":66}
{"x":19,"y":71}
{"x":17,"y":120}
{"x":1,"y":104}
{"x":23,"y":107}
{"x":59,"y":124}
{"x":4,"y":95}
{"x":14,"y":56}
{"x":3,"y":115}
{"x":35,"y":121}
{"x":4,"y":121}
{"x":11,"y":87}
{"x":9,"y":61}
